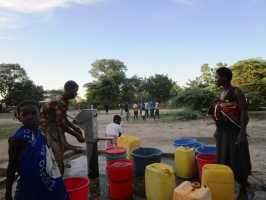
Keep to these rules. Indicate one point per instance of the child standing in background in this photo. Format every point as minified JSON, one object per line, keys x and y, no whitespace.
{"x":114,"y":130}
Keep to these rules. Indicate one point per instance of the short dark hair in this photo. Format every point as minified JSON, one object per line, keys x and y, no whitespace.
{"x":24,"y":103}
{"x":225,"y":72}
{"x":116,"y":118}
{"x":71,"y":85}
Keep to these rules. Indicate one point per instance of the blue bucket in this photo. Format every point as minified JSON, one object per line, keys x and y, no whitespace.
{"x":143,"y":157}
{"x":204,"y":149}
{"x":187,"y":142}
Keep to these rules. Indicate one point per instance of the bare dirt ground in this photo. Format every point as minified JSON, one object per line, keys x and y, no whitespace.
{"x":160,"y":134}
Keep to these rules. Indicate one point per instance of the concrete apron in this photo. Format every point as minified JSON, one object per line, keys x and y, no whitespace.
{"x":257,"y":190}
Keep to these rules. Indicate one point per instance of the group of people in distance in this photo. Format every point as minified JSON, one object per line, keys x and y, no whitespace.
{"x":36,"y":149}
{"x":145,"y":110}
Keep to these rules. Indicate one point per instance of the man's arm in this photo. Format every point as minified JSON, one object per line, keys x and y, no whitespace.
{"x":73,"y":126}
{"x":62,"y":121}
{"x":15,"y":148}
{"x":241,"y":101}
{"x":76,"y":134}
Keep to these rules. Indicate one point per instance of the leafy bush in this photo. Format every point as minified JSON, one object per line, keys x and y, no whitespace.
{"x":195,"y":98}
{"x":188,"y":115}
{"x":255,"y":100}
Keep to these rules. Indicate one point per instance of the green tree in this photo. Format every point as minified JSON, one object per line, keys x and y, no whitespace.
{"x":132,"y":90}
{"x":10,"y":75}
{"x":196,"y":83}
{"x":195,"y":98}
{"x":207,"y":75}
{"x":206,"y":78}
{"x":250,"y":76}
{"x":103,"y":91}
{"x":251,"y":72}
{"x":25,"y":90}
{"x":175,"y":90}
{"x":109,"y":75}
{"x":159,"y":87}
{"x":109,"y":68}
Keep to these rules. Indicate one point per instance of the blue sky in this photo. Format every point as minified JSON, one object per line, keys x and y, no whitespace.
{"x":57,"y":40}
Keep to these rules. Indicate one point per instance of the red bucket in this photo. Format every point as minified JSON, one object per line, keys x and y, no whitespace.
{"x":120,"y":174}
{"x":120,"y":190}
{"x":204,"y":159}
{"x":77,"y":188}
{"x":120,"y":170}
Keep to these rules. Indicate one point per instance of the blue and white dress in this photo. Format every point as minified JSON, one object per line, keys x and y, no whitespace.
{"x":39,"y":176}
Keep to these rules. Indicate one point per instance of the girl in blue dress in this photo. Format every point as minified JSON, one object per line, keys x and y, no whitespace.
{"x":29,"y":156}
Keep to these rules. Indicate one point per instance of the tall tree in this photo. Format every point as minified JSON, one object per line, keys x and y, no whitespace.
{"x":249,"y":71}
{"x":131,"y":90}
{"x":109,"y":75}
{"x":25,"y":90}
{"x":109,"y":68}
{"x":10,"y":74}
{"x":207,"y":75}
{"x":206,"y":78}
{"x":159,"y":87}
{"x":104,"y":91}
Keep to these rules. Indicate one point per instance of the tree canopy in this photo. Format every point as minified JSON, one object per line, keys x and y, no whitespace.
{"x":108,"y":69}
{"x":159,"y":87}
{"x":10,"y":74}
{"x":25,"y":90}
{"x":15,"y":85}
{"x":250,"y":74}
{"x":111,"y":86}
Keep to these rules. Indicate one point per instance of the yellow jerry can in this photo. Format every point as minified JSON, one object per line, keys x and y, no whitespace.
{"x":190,"y":191}
{"x":129,"y":143}
{"x":184,"y":162}
{"x":220,"y":179}
{"x":159,"y":182}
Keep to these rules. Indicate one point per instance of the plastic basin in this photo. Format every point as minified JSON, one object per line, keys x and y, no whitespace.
{"x":206,"y":150}
{"x":186,"y":142}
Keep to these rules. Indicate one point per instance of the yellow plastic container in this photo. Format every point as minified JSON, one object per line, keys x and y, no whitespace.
{"x":184,"y":162}
{"x":220,"y":179}
{"x":186,"y":191}
{"x":159,"y":182}
{"x":129,"y":143}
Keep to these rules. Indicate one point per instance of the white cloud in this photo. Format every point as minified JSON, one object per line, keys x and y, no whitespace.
{"x":31,"y":6}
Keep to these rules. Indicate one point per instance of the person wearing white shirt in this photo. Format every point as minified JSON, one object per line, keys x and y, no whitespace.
{"x":157,"y":112}
{"x":114,"y":130}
